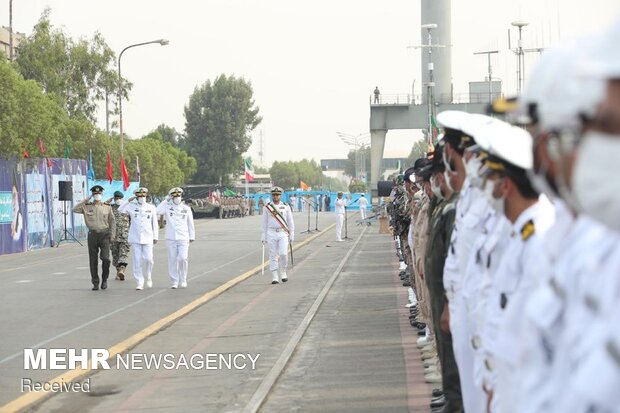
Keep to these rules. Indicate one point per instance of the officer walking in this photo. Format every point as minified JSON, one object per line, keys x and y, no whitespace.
{"x":101,"y":228}
{"x":278,"y":231}
{"x":179,"y":233}
{"x":143,"y":233}
{"x":340,"y":204}
{"x":363,"y":203}
{"x":119,"y":245}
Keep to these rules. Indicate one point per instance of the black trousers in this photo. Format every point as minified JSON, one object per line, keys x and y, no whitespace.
{"x":99,"y":247}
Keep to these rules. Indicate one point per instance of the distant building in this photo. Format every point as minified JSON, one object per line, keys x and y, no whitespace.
{"x":5,"y":41}
{"x":260,"y":184}
{"x":334,"y":168}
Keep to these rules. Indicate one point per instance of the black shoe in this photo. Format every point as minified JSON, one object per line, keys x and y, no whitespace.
{"x":104,"y":285}
{"x":95,"y":287}
{"x":275,"y":282}
{"x":406,"y":283}
{"x":437,"y":392}
{"x":421,"y":333}
{"x":440,"y":401}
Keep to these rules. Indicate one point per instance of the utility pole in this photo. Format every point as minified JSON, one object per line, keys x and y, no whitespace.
{"x":520,"y":52}
{"x":260,"y":147}
{"x":431,"y":83}
{"x":489,"y":53}
{"x":10,"y":30}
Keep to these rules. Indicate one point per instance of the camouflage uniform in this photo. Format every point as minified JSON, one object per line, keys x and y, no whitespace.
{"x":119,"y":245}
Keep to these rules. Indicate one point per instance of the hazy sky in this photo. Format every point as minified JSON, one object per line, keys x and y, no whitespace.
{"x":313,"y":65}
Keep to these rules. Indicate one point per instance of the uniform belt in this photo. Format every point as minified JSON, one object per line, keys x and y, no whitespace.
{"x":98,"y":231}
{"x":277,"y":229}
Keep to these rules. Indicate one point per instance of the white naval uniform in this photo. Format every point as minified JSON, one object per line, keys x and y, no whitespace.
{"x":543,"y":315}
{"x":518,"y":275}
{"x":478,"y":284}
{"x":471,"y":210}
{"x":363,"y":203}
{"x":588,"y":363}
{"x":143,"y":229}
{"x":179,"y":233}
{"x":339,"y":206}
{"x":277,"y":237}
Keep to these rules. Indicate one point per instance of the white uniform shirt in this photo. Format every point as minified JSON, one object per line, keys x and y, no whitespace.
{"x":340,"y":204}
{"x":179,"y":221}
{"x":523,"y":266}
{"x":270,"y":223}
{"x":363,"y":202}
{"x":144,"y":227}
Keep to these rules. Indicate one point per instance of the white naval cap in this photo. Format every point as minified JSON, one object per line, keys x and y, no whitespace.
{"x":176,"y":191}
{"x":605,"y":63}
{"x":453,"y":119}
{"x":567,"y":96}
{"x":141,"y":191}
{"x":507,"y":142}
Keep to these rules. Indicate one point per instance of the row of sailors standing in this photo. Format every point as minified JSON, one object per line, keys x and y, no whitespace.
{"x":522,"y":219}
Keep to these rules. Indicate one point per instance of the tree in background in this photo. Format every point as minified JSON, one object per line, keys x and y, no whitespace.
{"x":363,"y":155}
{"x":168,"y":134}
{"x":419,"y":150}
{"x":77,"y":74}
{"x":357,"y":186}
{"x":288,"y":174}
{"x":219,"y":119}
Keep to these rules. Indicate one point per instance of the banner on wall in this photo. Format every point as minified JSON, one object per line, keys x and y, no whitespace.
{"x":38,"y":220}
{"x":12,"y":225}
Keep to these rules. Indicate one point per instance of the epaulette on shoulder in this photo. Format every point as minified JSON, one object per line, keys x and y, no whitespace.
{"x":527,"y":230}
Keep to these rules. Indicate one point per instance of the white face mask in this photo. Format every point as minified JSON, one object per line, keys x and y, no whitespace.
{"x":472,"y":167}
{"x":496,"y":203}
{"x":435,"y":188}
{"x":594,"y":186}
{"x":446,"y":177}
{"x":176,"y":200}
{"x":141,"y":200}
{"x":97,"y":197}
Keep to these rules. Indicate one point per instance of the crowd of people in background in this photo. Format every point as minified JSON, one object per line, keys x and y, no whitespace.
{"x":508,"y":235}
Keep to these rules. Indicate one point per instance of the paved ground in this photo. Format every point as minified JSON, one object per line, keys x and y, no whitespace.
{"x":357,"y":354}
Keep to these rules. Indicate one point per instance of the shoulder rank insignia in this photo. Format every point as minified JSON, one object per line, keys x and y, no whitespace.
{"x":527,"y":230}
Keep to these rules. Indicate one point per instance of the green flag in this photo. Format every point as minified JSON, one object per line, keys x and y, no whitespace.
{"x":67,"y":152}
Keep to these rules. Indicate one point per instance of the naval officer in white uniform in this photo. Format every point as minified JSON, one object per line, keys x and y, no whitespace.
{"x":143,"y":233}
{"x":179,"y":233}
{"x":278,"y":231}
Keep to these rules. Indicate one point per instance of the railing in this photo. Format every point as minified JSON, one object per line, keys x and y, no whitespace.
{"x":444,"y":98}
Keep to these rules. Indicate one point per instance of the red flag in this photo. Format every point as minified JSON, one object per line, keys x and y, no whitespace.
{"x":109,"y":168}
{"x":124,"y":174}
{"x":304,"y":186}
{"x":49,"y":162}
{"x":41,"y":146}
{"x":26,"y":154}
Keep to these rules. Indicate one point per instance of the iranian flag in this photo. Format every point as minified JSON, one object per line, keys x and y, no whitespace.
{"x":249,"y":170}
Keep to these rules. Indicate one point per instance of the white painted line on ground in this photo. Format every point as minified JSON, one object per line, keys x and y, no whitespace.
{"x":270,"y":379}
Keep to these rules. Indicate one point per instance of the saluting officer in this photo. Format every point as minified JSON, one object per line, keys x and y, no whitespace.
{"x":101,"y":228}
{"x":341,"y":204}
{"x":278,"y":231}
{"x":143,"y":233}
{"x":179,"y":233}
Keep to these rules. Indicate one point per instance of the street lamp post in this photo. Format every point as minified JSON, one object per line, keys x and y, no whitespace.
{"x":162,"y":42}
{"x":353,"y":140}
